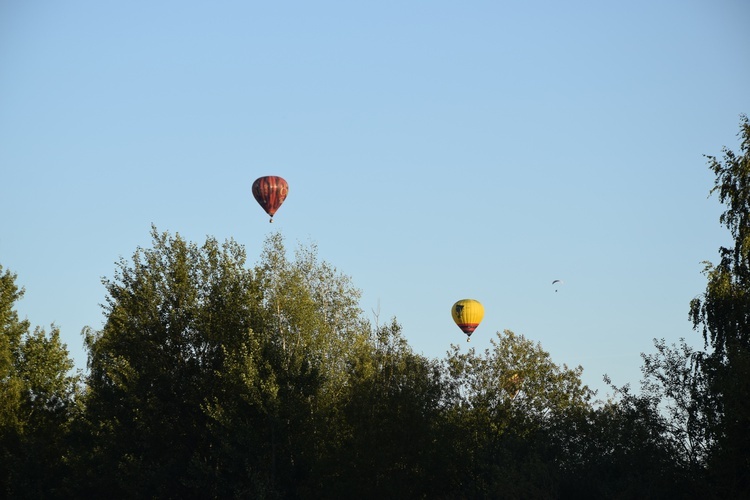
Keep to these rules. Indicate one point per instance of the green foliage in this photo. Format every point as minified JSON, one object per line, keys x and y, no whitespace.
{"x":37,"y":403}
{"x":207,"y":372}
{"x":210,"y":379}
{"x":517,"y":378}
{"x":10,"y":342}
{"x":674,"y":380}
{"x":617,"y":451}
{"x":175,"y":363}
{"x":390,"y":417}
{"x":310,"y":313}
{"x":723,"y":316}
{"x":502,"y":405}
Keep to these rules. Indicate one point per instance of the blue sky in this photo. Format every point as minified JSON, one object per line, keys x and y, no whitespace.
{"x":435,"y":151}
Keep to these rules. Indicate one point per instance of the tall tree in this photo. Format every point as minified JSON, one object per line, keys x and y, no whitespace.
{"x":311,"y":321}
{"x":212,"y":379}
{"x":387,"y":437}
{"x":674,"y":381}
{"x":617,"y":450}
{"x":649,"y":444}
{"x":38,"y":402}
{"x":518,"y":376}
{"x":175,"y":403}
{"x":502,"y":403}
{"x":12,"y":331}
{"x":723,"y":316}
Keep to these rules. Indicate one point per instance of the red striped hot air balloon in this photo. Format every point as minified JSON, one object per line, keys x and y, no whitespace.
{"x":270,"y":192}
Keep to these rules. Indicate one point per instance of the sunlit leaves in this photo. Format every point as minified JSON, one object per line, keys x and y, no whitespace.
{"x":517,"y":375}
{"x":38,"y":402}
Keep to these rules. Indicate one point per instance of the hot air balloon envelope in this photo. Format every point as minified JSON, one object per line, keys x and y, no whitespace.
{"x":270,"y":192}
{"x":467,"y":314}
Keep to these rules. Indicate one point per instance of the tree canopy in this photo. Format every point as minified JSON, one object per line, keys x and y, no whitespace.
{"x":722,"y":314}
{"x":38,"y":402}
{"x":215,"y":378}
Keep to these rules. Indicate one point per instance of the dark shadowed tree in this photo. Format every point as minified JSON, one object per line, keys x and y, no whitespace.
{"x":674,"y":380}
{"x":502,"y":404}
{"x":722,"y":314}
{"x":388,"y":427}
{"x":312,"y":323}
{"x":37,"y":403}
{"x":210,"y":379}
{"x":175,"y":403}
{"x":628,"y":447}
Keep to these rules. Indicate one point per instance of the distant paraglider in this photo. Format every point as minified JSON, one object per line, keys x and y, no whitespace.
{"x":467,"y":314}
{"x":558,"y":283}
{"x":270,"y":192}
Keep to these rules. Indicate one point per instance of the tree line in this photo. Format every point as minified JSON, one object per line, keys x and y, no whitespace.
{"x":214,"y":379}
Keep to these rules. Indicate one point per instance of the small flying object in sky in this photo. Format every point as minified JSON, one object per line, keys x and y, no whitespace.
{"x":270,"y":192}
{"x":467,"y":313}
{"x":558,"y":283}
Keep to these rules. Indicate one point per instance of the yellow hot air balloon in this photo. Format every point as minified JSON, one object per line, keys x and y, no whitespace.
{"x":467,"y":314}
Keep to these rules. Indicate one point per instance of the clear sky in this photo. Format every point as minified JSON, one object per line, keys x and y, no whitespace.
{"x":435,"y":150}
